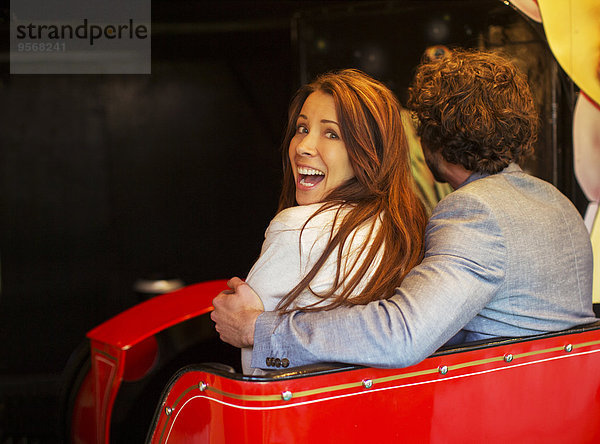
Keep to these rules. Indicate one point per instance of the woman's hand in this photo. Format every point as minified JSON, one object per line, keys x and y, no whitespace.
{"x":235,"y":313}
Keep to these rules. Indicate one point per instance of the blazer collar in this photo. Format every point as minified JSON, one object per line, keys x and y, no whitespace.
{"x":511,"y":168}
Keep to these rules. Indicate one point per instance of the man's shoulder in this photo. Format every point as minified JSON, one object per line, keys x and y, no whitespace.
{"x":516,"y":186}
{"x":505,"y":185}
{"x":509,"y":199}
{"x":464,"y":199}
{"x":491,"y":195}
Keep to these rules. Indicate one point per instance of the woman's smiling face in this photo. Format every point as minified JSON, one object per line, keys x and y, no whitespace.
{"x":318,"y":154}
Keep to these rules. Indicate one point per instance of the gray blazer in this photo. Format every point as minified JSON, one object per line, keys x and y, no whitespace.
{"x":506,"y":255}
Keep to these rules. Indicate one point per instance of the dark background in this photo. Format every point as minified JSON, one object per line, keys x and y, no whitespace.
{"x":105,"y":179}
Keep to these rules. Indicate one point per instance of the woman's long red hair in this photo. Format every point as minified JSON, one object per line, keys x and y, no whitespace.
{"x":383,"y":186}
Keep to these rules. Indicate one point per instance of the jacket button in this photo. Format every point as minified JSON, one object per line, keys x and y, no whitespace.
{"x":277,"y":362}
{"x":285,"y":362}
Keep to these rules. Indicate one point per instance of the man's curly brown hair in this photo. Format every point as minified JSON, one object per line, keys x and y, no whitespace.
{"x":476,"y":108}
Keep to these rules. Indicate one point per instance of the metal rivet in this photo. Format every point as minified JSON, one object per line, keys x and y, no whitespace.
{"x":168,"y":411}
{"x":443,"y":369}
{"x":202,"y":386}
{"x":286,"y":396}
{"x":508,"y":357}
{"x":569,"y":348}
{"x":367,"y":383}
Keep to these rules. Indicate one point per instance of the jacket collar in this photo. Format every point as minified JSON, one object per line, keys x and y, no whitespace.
{"x":511,"y":168}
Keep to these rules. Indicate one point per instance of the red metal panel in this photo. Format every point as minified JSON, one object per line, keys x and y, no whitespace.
{"x":543,"y":394}
{"x":83,"y":418}
{"x":107,"y":368}
{"x":140,"y":359}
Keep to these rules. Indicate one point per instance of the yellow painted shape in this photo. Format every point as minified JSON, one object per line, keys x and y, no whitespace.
{"x":573,"y":31}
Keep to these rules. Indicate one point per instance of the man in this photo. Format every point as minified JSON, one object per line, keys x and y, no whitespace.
{"x":506,"y":253}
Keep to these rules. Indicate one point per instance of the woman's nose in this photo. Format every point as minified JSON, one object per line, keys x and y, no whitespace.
{"x":307,"y":146}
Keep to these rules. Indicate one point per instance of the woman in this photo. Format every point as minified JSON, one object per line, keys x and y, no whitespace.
{"x":349,"y":225}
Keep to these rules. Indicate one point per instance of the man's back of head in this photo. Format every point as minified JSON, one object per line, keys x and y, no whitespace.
{"x":476,"y":109}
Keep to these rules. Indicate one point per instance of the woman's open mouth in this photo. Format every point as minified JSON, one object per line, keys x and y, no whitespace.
{"x":309,"y":177}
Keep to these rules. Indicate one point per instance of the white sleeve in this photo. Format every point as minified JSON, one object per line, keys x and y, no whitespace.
{"x":281,"y":266}
{"x":278,"y":269}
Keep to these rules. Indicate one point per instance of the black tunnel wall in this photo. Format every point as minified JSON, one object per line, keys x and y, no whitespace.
{"x":108,"y":178}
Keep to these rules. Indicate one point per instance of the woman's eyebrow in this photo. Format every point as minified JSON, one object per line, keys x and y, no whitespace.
{"x":322,"y":121}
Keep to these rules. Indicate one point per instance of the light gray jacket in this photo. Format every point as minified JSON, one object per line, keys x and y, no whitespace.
{"x":506,"y":255}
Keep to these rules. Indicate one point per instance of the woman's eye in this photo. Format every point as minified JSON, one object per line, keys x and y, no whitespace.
{"x":301,"y":129}
{"x":331,"y":135}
